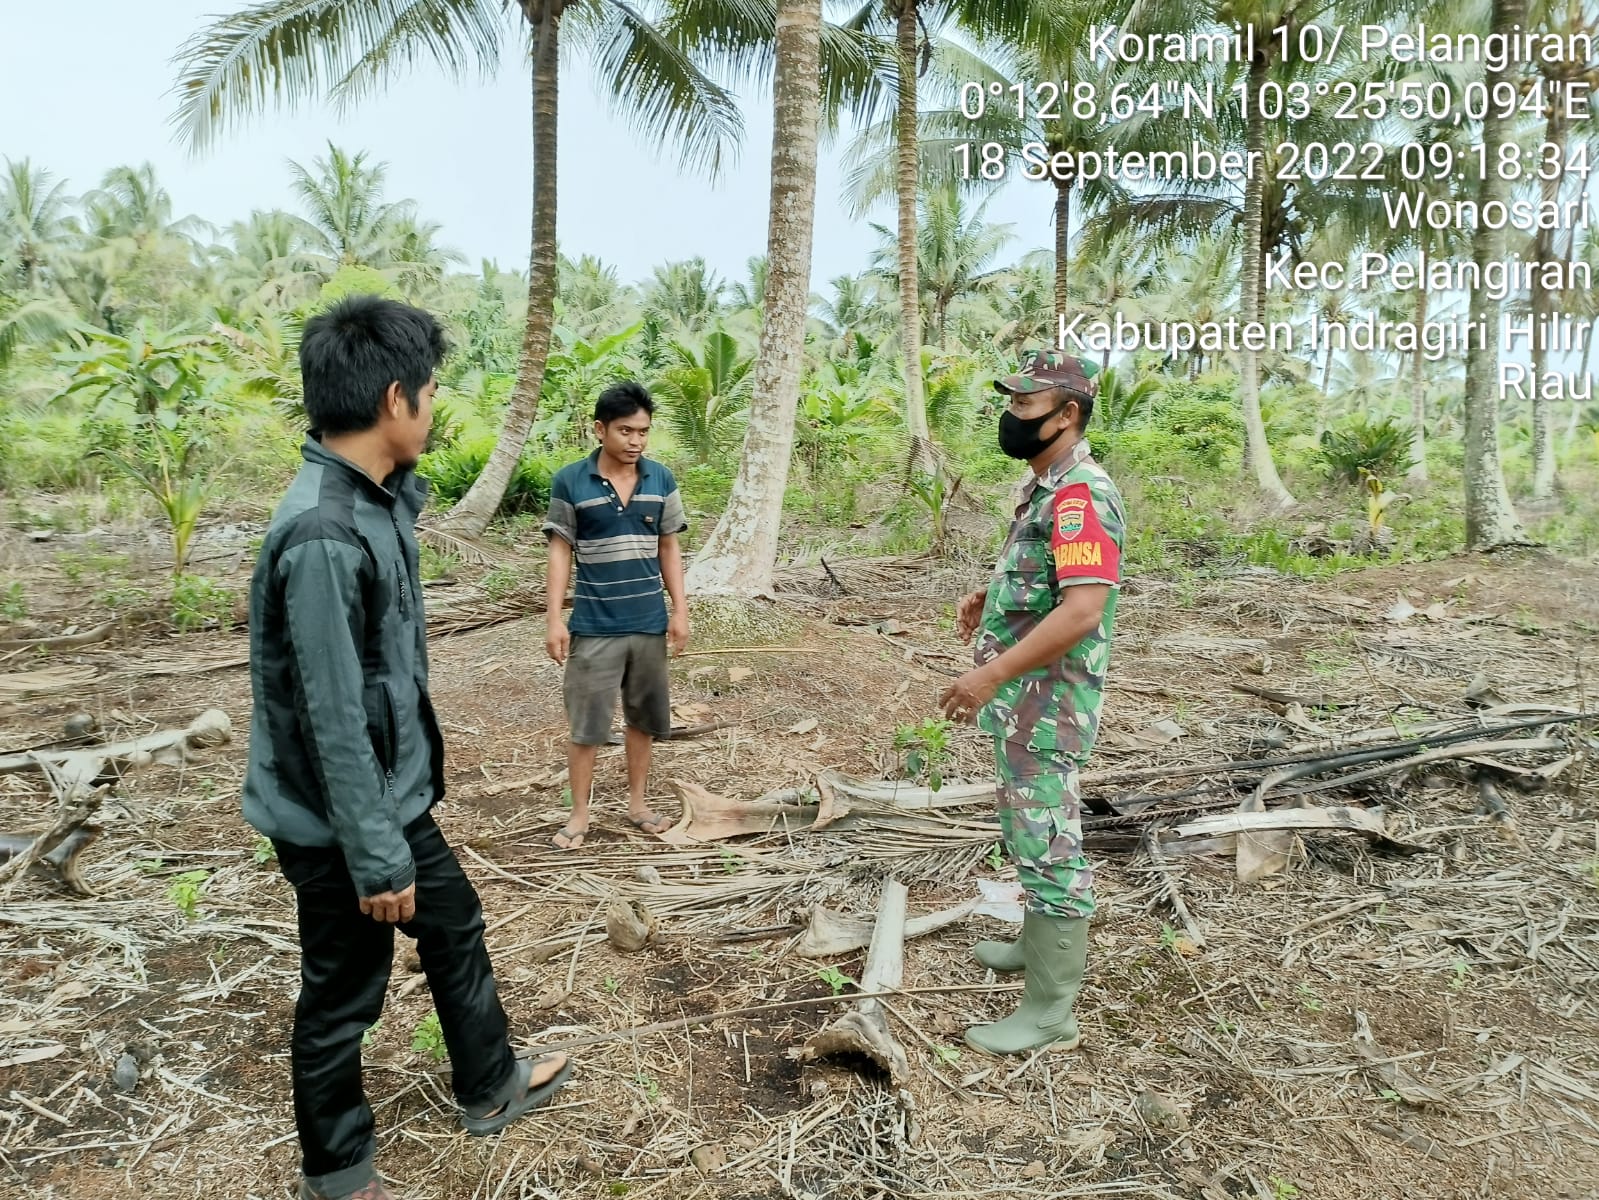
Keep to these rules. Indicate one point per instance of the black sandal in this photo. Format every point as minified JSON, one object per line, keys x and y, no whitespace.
{"x":483,"y":1123}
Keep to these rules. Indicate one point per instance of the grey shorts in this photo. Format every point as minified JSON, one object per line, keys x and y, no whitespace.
{"x":597,"y":668}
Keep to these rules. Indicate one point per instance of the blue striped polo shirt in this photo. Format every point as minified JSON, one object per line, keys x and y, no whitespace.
{"x":617,"y":547}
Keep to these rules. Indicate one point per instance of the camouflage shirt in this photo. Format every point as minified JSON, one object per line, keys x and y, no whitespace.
{"x":1068,"y":529}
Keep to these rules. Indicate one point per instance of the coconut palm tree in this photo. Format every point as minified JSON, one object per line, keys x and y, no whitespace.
{"x":1564,"y":17}
{"x":742,"y":550}
{"x":1491,"y":520}
{"x":270,"y":262}
{"x":687,"y":295}
{"x":37,"y":231}
{"x":1017,"y":22}
{"x":956,"y":248}
{"x":704,"y":391}
{"x":291,"y":51}
{"x":351,"y":224}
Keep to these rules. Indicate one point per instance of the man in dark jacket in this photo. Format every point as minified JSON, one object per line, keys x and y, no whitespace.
{"x":346,"y":758}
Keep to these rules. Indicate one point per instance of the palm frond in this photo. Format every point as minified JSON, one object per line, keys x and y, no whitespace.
{"x":281,"y":53}
{"x":36,"y":322}
{"x":660,"y":90}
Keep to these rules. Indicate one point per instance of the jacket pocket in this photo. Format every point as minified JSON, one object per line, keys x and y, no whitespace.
{"x":381,"y":726}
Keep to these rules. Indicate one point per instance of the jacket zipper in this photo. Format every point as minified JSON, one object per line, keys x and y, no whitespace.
{"x":405,"y":565}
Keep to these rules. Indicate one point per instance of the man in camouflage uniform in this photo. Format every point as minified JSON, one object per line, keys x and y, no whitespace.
{"x":1043,"y":629}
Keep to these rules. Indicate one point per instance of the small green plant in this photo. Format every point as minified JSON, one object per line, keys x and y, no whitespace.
{"x":501,"y":582}
{"x":612,"y":984}
{"x":1168,"y":937}
{"x":1391,"y":1096}
{"x":1461,"y":969}
{"x":264,"y":851}
{"x":652,"y":1088}
{"x":123,"y":598}
{"x":925,"y":748}
{"x":370,"y":1035}
{"x":1360,"y":446}
{"x":1308,"y":998}
{"x":947,"y":1055}
{"x":566,"y":797}
{"x":198,"y":603}
{"x":834,"y":978}
{"x":996,"y":857}
{"x":428,"y":1037}
{"x":185,"y":892}
{"x":730,"y":861}
{"x":1224,"y":1027}
{"x":934,"y":493}
{"x":1282,"y":1189}
{"x":1527,"y":622}
{"x":14,"y":602}
{"x":436,"y":565}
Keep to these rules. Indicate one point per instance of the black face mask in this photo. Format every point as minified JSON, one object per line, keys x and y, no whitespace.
{"x":1019,"y":438}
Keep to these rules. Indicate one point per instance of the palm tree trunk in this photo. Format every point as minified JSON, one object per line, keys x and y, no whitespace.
{"x":1418,"y":399}
{"x":1543,"y":444}
{"x":471,"y":516}
{"x":910,"y":316}
{"x":739,"y":556}
{"x":1063,"y":244}
{"x":1259,"y":452}
{"x":1576,"y":405}
{"x":1490,"y":518}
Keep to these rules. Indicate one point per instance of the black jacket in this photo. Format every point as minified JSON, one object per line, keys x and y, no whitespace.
{"x":344,"y":746}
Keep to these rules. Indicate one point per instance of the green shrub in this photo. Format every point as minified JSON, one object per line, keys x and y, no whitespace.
{"x":1380,"y":447}
{"x":198,"y":602}
{"x":1206,"y":419}
{"x":452,"y":469}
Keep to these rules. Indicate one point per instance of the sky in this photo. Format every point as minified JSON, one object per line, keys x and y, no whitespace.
{"x":86,"y":86}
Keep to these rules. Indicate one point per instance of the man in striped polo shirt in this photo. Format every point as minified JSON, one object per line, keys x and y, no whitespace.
{"x":618,"y":515}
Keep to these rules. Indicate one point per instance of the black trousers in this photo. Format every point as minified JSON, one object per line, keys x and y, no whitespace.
{"x":345,"y":961}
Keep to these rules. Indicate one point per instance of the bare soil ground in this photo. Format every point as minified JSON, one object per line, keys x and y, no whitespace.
{"x":1231,"y":1070}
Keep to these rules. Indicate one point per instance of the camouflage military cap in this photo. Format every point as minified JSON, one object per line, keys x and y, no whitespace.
{"x":1045,"y":369}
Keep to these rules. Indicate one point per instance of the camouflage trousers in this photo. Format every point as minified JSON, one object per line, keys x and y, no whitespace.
{"x":1041,"y":825}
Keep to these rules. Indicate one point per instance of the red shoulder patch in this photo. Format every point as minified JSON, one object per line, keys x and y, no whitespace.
{"x":1081,"y":547}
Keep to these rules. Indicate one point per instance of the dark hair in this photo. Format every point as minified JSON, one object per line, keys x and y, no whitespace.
{"x":351,"y":353}
{"x":1085,"y":410}
{"x":1085,"y":405}
{"x":622,"y":400}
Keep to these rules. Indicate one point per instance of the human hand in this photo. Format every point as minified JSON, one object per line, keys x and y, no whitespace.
{"x":677,"y":632}
{"x":963,"y":698}
{"x":969,"y":615}
{"x":558,"y":641}
{"x":391,"y":907}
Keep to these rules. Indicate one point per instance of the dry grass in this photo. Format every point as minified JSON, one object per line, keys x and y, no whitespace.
{"x":1363,"y":1025}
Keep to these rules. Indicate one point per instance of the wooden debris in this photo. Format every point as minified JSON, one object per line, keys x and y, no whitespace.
{"x":864,"y":1030}
{"x":830,"y":934}
{"x":707,"y":817}
{"x":1173,"y":893}
{"x":64,"y":641}
{"x":170,"y":747}
{"x":61,"y":860}
{"x":1337,"y":819}
{"x":1390,"y":1075}
{"x":80,"y":779}
{"x":45,"y":680}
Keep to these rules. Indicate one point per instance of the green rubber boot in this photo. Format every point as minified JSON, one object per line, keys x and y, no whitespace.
{"x":1056,"y":954}
{"x":1005,"y":958}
